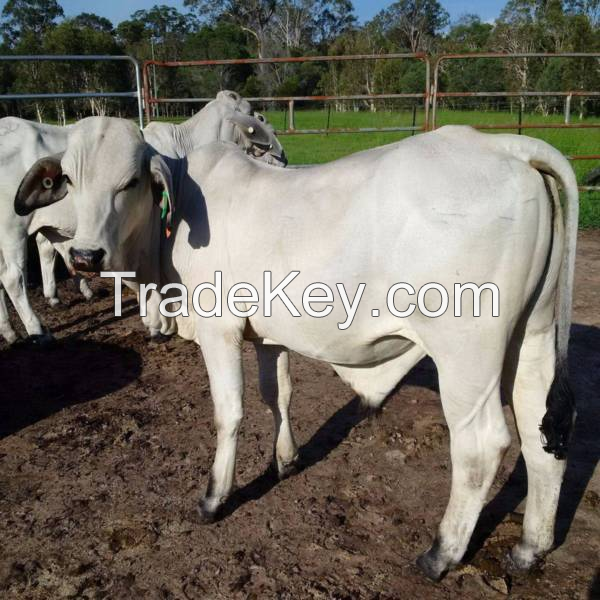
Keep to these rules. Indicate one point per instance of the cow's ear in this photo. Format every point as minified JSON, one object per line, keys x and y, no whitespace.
{"x":229,"y":96}
{"x":252,"y":129}
{"x":162,"y":189}
{"x":42,"y":185}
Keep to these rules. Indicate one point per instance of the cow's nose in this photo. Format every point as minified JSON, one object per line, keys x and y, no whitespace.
{"x":87,"y":260}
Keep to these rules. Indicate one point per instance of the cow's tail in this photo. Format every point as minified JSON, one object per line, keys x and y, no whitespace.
{"x":558,"y":421}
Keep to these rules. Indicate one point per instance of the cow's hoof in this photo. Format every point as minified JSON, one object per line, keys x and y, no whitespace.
{"x":524,"y":558}
{"x":289,"y":469}
{"x":431,"y":564}
{"x":43,"y":340}
{"x":11,"y":337}
{"x":53,"y":302}
{"x":159,"y":338}
{"x":208,"y":510}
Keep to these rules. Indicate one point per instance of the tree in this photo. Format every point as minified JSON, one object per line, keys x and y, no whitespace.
{"x":253,"y":16}
{"x":413,"y":24}
{"x":28,"y":17}
{"x":587,"y":8}
{"x":92,"y":21}
{"x":469,"y":34}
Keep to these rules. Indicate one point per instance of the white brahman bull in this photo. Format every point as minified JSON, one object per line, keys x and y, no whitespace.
{"x":229,"y":117}
{"x":451,"y":206}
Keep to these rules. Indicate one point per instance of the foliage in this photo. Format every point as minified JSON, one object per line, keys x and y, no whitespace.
{"x":213,"y":29}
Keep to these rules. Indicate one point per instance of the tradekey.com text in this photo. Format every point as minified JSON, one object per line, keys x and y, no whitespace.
{"x":318,"y":299}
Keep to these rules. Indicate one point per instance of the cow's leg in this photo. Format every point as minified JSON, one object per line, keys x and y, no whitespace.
{"x":47,"y":259}
{"x":13,"y":277}
{"x":223,"y":358}
{"x":80,"y":282}
{"x":374,"y":384}
{"x":276,"y":390}
{"x":534,"y":375}
{"x":478,"y":439}
{"x":6,"y":330}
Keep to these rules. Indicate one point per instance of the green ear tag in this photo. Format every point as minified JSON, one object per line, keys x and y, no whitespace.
{"x":165,"y":204}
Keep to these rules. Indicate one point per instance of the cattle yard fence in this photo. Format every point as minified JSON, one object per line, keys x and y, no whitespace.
{"x":136,"y":94}
{"x":437,"y":95}
{"x":430,"y":96}
{"x":291,"y":100}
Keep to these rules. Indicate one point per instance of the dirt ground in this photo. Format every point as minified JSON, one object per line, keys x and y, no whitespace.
{"x":106,"y":441}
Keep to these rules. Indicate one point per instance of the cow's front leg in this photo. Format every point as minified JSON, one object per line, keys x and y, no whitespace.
{"x":13,"y":271}
{"x":6,"y":330}
{"x":223,"y":358}
{"x":276,"y":390}
{"x":47,"y":261}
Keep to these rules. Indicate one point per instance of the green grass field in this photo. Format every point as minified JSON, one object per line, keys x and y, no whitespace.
{"x":317,"y":148}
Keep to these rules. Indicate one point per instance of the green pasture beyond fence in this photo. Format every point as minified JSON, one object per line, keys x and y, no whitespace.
{"x":320,"y":148}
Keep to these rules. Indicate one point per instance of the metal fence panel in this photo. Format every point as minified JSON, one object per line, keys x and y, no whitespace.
{"x":137,"y":93}
{"x":291,"y":129}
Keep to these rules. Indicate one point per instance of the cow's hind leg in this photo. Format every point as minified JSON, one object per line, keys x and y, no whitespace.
{"x":535,"y":374}
{"x":223,"y":358}
{"x":276,"y":390}
{"x":470,"y":393}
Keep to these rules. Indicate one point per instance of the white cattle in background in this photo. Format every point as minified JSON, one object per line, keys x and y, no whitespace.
{"x":229,"y":117}
{"x":451,"y":206}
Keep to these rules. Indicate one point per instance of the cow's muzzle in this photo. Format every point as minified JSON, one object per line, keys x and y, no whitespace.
{"x":87,"y":260}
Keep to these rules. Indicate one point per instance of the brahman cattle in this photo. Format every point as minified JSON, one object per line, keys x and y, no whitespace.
{"x":450,"y":206}
{"x":229,"y":117}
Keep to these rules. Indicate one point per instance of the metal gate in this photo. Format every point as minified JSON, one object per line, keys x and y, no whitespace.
{"x":424,"y":96}
{"x":436,"y":94}
{"x":137,"y":93}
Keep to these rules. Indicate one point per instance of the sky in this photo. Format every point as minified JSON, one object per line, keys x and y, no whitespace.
{"x":119,"y":10}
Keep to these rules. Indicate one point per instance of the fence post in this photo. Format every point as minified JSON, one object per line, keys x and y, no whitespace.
{"x":568,"y":109}
{"x":292,"y":124}
{"x":521,"y":116}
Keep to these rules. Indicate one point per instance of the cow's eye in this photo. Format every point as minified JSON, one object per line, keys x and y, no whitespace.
{"x":131,"y":184}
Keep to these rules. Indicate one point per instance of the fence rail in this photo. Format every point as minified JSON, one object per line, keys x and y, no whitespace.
{"x":291,"y":100}
{"x":430,"y":97}
{"x":137,"y":93}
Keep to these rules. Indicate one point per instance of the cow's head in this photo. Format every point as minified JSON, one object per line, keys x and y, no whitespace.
{"x":258,"y":138}
{"x":249,"y":129}
{"x":113,"y":179}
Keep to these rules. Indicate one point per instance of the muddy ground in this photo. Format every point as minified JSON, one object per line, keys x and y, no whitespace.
{"x":105,"y":443}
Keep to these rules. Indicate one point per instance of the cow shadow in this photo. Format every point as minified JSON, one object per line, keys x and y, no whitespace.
{"x":37,"y":383}
{"x":583,"y":455}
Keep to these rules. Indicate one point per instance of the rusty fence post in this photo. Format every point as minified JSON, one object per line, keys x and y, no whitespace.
{"x":292,"y":124}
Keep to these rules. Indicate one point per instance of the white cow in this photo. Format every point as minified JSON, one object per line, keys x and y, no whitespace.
{"x":452,"y":206}
{"x":229,"y":117}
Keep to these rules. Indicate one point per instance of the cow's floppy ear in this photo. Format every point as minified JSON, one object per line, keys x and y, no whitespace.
{"x":252,"y":130}
{"x":162,"y":190}
{"x":229,"y":96}
{"x":42,"y":185}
